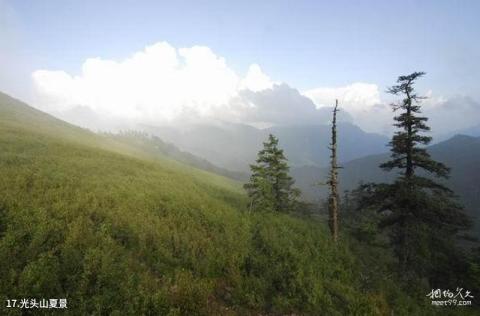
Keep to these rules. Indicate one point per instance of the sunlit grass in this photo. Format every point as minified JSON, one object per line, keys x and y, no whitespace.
{"x":119,"y":232}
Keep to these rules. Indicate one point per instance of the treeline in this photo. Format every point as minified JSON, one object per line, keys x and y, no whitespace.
{"x":415,"y":219}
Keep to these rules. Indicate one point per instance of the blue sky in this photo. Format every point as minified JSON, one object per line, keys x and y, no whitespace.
{"x":306,"y":44}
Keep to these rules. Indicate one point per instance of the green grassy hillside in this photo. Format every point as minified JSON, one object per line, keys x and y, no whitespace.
{"x":118,"y":232}
{"x":157,"y":147}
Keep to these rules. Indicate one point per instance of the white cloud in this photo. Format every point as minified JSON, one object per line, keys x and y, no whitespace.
{"x":361,"y":100}
{"x":156,"y":84}
{"x":447,"y":115}
{"x":281,"y":105}
{"x":374,"y":114}
{"x":161,"y":84}
{"x":256,"y":80}
{"x":356,"y":97}
{"x":432,"y":100}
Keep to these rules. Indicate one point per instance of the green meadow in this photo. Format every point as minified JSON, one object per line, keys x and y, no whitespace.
{"x":119,"y":231}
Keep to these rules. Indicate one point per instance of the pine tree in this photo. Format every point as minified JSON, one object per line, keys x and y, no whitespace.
{"x":270,"y":187}
{"x":420,"y":213}
{"x":333,"y":198}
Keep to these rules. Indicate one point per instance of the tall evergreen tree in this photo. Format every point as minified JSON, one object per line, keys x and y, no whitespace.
{"x":270,"y":187}
{"x":421,"y":214}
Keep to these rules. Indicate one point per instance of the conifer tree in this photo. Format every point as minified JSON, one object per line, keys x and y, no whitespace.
{"x":270,"y":187}
{"x":420,"y":213}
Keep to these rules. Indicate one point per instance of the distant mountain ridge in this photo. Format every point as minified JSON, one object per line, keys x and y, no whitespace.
{"x":473,"y":131}
{"x":157,"y":147}
{"x":235,"y":146}
{"x":461,"y":153}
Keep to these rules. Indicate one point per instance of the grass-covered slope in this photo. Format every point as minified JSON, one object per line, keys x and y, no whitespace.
{"x":156,"y":147}
{"x":125,"y":234}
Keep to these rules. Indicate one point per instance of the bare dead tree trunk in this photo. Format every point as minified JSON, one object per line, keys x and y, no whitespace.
{"x":333,"y":181}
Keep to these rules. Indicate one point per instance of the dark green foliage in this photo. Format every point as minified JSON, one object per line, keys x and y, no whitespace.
{"x":291,"y":266}
{"x":460,"y":153}
{"x":271,"y":187}
{"x":117,"y":232}
{"x":378,"y":267}
{"x":406,"y":153}
{"x":420,"y":214}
